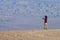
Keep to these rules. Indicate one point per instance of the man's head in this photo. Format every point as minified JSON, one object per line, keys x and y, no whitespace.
{"x":45,"y":16}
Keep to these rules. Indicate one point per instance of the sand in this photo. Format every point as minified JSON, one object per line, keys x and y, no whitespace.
{"x":30,"y":35}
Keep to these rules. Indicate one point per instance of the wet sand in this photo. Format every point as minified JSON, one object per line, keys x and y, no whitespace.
{"x":30,"y":35}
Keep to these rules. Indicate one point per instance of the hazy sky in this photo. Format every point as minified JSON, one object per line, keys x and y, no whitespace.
{"x":28,"y":14}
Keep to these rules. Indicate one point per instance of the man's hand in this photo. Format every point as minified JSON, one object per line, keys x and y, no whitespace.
{"x":43,"y":18}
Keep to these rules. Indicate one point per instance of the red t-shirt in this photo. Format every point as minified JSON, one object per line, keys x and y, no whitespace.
{"x":45,"y":20}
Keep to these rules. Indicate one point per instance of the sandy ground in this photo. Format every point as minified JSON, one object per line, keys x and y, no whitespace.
{"x":30,"y":35}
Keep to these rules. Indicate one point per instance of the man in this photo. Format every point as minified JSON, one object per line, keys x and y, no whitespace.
{"x":45,"y":22}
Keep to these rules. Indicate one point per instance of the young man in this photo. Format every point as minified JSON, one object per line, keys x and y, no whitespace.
{"x":45,"y":22}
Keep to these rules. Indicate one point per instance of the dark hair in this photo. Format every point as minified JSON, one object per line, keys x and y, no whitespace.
{"x":45,"y":16}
